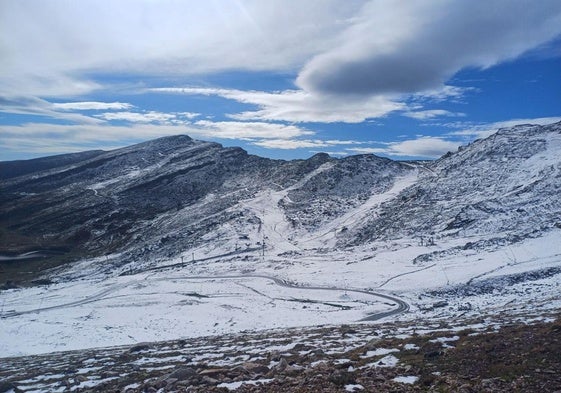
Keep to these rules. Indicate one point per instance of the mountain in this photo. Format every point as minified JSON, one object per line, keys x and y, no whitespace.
{"x":178,"y":238}
{"x":503,"y":187}
{"x":159,"y":198}
{"x":11,"y":169}
{"x":178,"y":196}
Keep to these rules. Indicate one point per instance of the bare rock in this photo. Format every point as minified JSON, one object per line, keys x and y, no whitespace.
{"x":213,"y":372}
{"x":140,"y":347}
{"x":6,"y":387}
{"x":182,"y":373}
{"x":256,"y":368}
{"x":341,"y":378}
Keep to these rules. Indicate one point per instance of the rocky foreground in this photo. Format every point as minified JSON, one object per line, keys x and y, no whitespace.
{"x":495,"y":354}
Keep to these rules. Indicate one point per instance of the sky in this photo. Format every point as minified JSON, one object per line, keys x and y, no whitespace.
{"x":280,"y":78}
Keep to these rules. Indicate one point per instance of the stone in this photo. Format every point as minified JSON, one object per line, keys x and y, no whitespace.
{"x":283,"y":364}
{"x":256,"y":368}
{"x":210,"y":372}
{"x":9,"y":387}
{"x":209,"y":381}
{"x":341,"y":377}
{"x":139,"y":347}
{"x":182,"y":373}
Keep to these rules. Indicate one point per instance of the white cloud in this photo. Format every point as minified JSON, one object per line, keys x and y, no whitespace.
{"x":188,"y":115}
{"x":297,"y":105}
{"x":139,"y":117}
{"x":355,"y":61}
{"x":431,"y":114}
{"x":484,"y":130}
{"x":360,"y":47}
{"x":60,"y":138}
{"x":92,"y":105}
{"x":14,"y":83}
{"x":423,"y":147}
{"x":443,"y":93}
{"x":45,"y":42}
{"x":249,"y":130}
{"x":288,"y":144}
{"x":413,"y":46}
{"x":38,"y":107}
{"x":368,"y":150}
{"x":430,"y":147}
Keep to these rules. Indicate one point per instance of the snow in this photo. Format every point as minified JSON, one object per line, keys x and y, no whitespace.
{"x":351,"y":387}
{"x":410,"y":379}
{"x":213,"y":287}
{"x":171,"y":304}
{"x":386,"y":361}
{"x":92,"y":383}
{"x":445,"y":339}
{"x":132,"y":309}
{"x":378,"y":352}
{"x":235,"y":385}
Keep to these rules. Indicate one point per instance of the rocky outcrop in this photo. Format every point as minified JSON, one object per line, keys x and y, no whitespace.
{"x":516,"y":353}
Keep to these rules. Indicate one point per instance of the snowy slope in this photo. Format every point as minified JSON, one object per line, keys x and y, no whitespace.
{"x":477,"y":231}
{"x":173,"y":195}
{"x":505,"y":186}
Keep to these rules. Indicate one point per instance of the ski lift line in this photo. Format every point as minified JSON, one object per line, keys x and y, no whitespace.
{"x":405,"y":274}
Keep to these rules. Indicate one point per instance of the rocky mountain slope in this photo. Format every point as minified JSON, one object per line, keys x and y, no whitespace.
{"x":162,"y":197}
{"x":504,"y":186}
{"x":514,"y":354}
{"x":182,"y":239}
{"x":11,"y":169}
{"x":168,"y":196}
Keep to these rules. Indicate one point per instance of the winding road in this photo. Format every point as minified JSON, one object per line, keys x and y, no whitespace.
{"x":400,"y":308}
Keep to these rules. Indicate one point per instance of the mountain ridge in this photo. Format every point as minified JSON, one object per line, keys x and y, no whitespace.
{"x":161,"y":198}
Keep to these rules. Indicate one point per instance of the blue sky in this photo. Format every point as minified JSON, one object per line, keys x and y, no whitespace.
{"x":280,"y":78}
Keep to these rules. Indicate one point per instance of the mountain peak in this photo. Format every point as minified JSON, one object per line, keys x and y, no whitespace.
{"x":167,"y":141}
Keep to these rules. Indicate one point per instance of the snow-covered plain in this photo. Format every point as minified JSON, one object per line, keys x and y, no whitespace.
{"x":169,"y":303}
{"x":162,"y":306}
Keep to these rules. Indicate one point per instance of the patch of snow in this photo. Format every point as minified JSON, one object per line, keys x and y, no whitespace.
{"x":445,"y":339}
{"x":92,"y":383}
{"x":235,"y":385}
{"x":353,"y":387}
{"x":378,"y":352}
{"x":386,"y":361}
{"x":409,"y":379}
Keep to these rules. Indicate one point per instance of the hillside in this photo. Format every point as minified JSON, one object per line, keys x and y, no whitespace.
{"x":182,"y":239}
{"x":160,"y":198}
{"x":505,"y":186}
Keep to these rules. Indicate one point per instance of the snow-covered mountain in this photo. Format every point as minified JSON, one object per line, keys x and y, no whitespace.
{"x":173,"y":195}
{"x":182,"y":238}
{"x":163,"y":197}
{"x":505,"y":186}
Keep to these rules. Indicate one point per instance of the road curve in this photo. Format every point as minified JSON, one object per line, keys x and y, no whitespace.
{"x":401,"y":305}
